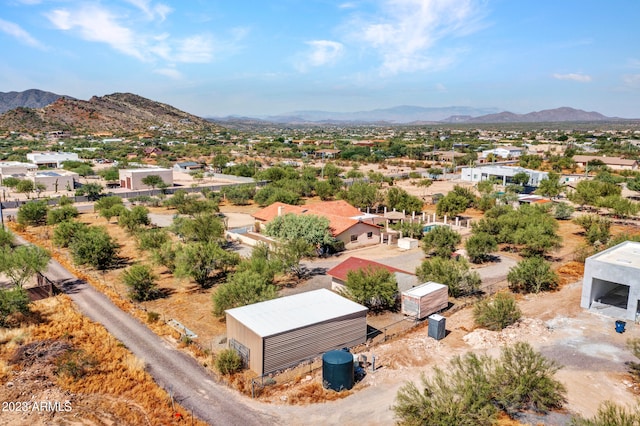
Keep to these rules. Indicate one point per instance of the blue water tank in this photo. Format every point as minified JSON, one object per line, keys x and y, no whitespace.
{"x":337,"y":370}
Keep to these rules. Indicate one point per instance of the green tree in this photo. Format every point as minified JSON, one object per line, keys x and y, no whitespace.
{"x":199,"y":260}
{"x":455,"y":202}
{"x":61,"y":214}
{"x":26,"y":187}
{"x":375,"y":288}
{"x":272,"y":194}
{"x":90,"y":190}
{"x":6,"y":238}
{"x":441,"y":241}
{"x":114,"y":211}
{"x":597,"y":229}
{"x":563,"y":211}
{"x":152,"y":180}
{"x":111,"y":174}
{"x":133,"y":219}
{"x":33,"y":213}
{"x":409,"y":229}
{"x":532,"y":275}
{"x":589,"y":192}
{"x":14,"y":300}
{"x":324,"y":190}
{"x":65,"y":231}
{"x":550,"y":186}
{"x":311,"y":228}
{"x":479,"y":247}
{"x":141,"y":282}
{"x":239,"y":195}
{"x":520,"y":178}
{"x":21,"y":263}
{"x":107,"y":202}
{"x":243,"y":288}
{"x":10,"y":182}
{"x":289,"y":253}
{"x":455,"y":274}
{"x":401,"y":200}
{"x":203,"y":227}
{"x":94,"y":246}
{"x":497,"y":313}
{"x":524,"y":381}
{"x":151,"y":239}
{"x":361,"y":195}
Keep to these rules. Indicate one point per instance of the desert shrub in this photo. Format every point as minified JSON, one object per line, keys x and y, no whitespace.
{"x":152,"y":317}
{"x":563,"y":211}
{"x":6,"y":238}
{"x":497,"y":313}
{"x":141,"y":282}
{"x":610,"y":414}
{"x":228,"y":361}
{"x":596,"y":228}
{"x":453,"y":273}
{"x":12,"y":301}
{"x":64,"y":232}
{"x":61,"y":214}
{"x":95,"y":247}
{"x":472,"y":388}
{"x":532,"y":275}
{"x":523,"y":380}
{"x":458,"y":395}
{"x":32,"y":213}
{"x":243,"y":288}
{"x":135,"y":218}
{"x":634,"y":367}
{"x":440,"y":241}
{"x":376,"y":288}
{"x":151,"y":239}
{"x":480,"y":246}
{"x":75,"y":363}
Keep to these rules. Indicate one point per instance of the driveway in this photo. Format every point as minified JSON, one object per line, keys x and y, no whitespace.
{"x":176,"y":372}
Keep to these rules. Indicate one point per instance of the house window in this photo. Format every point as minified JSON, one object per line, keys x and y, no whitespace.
{"x":354,"y":237}
{"x":369,"y":234}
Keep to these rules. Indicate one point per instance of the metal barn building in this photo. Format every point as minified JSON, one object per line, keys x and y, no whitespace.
{"x":611,"y":283}
{"x":280,"y":333}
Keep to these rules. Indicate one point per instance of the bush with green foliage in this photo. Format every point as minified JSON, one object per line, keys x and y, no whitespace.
{"x":14,"y":300}
{"x":440,"y":241}
{"x":563,"y":211}
{"x":75,"y":363}
{"x":400,"y":200}
{"x":64,"y":232}
{"x":228,"y":361}
{"x":202,"y":227}
{"x":479,"y":247}
{"x":61,"y":214}
{"x":21,"y":263}
{"x":532,"y":275}
{"x":151,"y":238}
{"x":94,"y":246}
{"x":610,"y":414}
{"x":472,"y":389}
{"x":311,"y":228}
{"x":107,"y":202}
{"x":6,"y":238}
{"x":497,"y":313}
{"x":243,"y":288}
{"x":33,"y":213}
{"x":375,"y":288}
{"x":361,"y":195}
{"x":199,"y":261}
{"x":239,"y":195}
{"x":133,"y":219}
{"x":141,"y":282}
{"x":272,"y":194}
{"x":596,"y":228}
{"x":454,"y":273}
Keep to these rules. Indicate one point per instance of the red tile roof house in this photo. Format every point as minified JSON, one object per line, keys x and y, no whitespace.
{"x":406,"y":280}
{"x":347,"y":224}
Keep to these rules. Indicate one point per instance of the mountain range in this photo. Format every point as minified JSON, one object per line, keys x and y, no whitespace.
{"x":36,"y":110}
{"x":114,"y":113}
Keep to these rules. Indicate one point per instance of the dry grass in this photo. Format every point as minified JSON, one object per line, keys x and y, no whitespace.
{"x":313,"y":393}
{"x":116,"y":390}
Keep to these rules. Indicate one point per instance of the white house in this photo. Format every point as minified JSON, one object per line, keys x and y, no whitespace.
{"x":611,"y":283}
{"x":504,"y":174}
{"x":15,"y":167}
{"x":51,"y":159}
{"x":132,"y":178}
{"x":502,"y":152}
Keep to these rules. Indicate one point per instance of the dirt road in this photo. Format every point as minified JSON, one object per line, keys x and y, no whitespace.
{"x":179,"y":374}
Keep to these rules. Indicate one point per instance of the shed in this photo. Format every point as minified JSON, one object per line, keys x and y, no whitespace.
{"x":611,"y":283}
{"x":407,"y":243}
{"x":273,"y":335}
{"x":425,"y":299}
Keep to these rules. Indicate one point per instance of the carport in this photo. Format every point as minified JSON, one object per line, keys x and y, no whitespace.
{"x":611,"y":283}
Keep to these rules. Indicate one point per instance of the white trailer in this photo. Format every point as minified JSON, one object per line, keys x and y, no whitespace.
{"x":425,"y":299}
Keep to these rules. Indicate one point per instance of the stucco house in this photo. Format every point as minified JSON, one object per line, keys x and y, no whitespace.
{"x":347,"y":224}
{"x":132,"y":178}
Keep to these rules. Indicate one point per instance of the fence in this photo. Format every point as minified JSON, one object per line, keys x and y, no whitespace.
{"x":44,"y":289}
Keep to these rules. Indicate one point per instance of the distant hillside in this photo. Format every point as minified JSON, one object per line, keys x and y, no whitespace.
{"x":396,"y":115}
{"x":115,"y":113}
{"x":564,"y":114}
{"x":32,"y":98}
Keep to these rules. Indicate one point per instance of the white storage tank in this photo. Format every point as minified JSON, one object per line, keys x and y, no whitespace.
{"x":425,"y":299}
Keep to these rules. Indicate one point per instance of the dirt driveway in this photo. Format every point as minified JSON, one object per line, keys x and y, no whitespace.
{"x":585,"y":343}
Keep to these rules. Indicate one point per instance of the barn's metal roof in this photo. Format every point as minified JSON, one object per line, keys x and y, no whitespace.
{"x":293,"y":312}
{"x":424,"y":289}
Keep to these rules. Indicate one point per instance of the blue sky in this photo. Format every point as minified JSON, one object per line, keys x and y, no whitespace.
{"x":215,"y":58}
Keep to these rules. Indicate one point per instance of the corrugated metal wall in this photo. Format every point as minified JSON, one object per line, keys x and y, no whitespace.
{"x":289,"y":348}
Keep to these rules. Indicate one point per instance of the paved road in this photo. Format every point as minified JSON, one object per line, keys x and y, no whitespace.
{"x":176,"y":372}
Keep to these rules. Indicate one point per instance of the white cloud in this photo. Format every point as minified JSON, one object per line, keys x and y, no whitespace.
{"x":152,"y":11}
{"x":579,"y":77}
{"x":94,"y":23}
{"x":406,"y":32}
{"x":196,"y":49}
{"x":19,"y":33}
{"x":169,"y":72}
{"x":320,"y":53}
{"x":632,"y":80}
{"x":441,"y":88}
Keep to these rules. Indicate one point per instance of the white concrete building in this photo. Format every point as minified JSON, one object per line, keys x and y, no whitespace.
{"x":55,"y":180}
{"x":51,"y":159}
{"x":15,"y":167}
{"x":503,"y":152}
{"x":611,"y":283}
{"x":132,"y":178}
{"x":504,"y":174}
